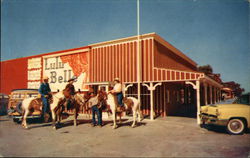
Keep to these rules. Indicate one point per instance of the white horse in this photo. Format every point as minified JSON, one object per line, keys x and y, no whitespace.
{"x":130,"y":103}
{"x":35,"y":104}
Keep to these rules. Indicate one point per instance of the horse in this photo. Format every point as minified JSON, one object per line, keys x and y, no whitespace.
{"x":77,"y":104}
{"x":35,"y":104}
{"x":130,"y":103}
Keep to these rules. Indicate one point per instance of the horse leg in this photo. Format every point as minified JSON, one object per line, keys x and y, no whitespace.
{"x":134,"y":118}
{"x":53,"y":119}
{"x":60,"y":115}
{"x":114,"y":120}
{"x":75,"y":117}
{"x":140,"y":116}
{"x":24,"y":123}
{"x":120,"y":117}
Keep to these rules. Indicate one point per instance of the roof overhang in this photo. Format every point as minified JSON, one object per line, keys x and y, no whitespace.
{"x":208,"y":80}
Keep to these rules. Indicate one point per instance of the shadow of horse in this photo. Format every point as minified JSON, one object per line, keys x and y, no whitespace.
{"x":128,"y":124}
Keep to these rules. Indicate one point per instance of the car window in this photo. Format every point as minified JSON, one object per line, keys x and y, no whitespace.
{"x":32,"y":95}
{"x":243,"y":100}
{"x":16,"y":96}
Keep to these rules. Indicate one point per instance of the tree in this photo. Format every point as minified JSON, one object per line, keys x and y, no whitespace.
{"x":207,"y":69}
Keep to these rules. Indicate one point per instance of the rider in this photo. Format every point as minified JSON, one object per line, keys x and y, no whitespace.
{"x":117,"y":90}
{"x":71,"y":89}
{"x":45,"y":91}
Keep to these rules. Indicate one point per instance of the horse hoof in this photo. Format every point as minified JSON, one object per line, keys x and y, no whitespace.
{"x":114,"y":127}
{"x":54,"y":127}
{"x":133,"y":126}
{"x":25,"y":127}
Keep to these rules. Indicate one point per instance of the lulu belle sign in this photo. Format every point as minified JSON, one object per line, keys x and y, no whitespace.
{"x":62,"y":67}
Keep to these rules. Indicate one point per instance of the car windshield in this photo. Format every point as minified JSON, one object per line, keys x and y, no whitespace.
{"x":243,"y":100}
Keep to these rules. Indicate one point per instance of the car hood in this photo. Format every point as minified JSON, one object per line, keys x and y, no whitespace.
{"x":212,"y":109}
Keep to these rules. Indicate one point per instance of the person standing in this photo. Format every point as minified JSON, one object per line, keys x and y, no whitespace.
{"x":45,"y":93}
{"x":93,"y":101}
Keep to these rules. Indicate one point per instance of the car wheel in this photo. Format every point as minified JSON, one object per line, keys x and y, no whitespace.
{"x":235,"y":126}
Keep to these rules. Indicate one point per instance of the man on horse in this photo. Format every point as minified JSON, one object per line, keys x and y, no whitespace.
{"x":45,"y":92}
{"x":117,"y":90}
{"x":70,"y":88}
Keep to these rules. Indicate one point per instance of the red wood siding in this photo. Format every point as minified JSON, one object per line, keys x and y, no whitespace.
{"x":13,"y":75}
{"x":120,"y":60}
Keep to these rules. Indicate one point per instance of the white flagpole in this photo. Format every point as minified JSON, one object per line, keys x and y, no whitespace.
{"x":138,"y":54}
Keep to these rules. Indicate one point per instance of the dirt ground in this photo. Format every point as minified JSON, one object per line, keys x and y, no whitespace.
{"x":163,"y":137}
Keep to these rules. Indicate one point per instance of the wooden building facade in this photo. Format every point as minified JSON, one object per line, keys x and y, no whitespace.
{"x":170,"y":85}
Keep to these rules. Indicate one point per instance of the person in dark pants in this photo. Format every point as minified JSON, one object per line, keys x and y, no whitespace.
{"x":45,"y":91}
{"x":95,"y":111}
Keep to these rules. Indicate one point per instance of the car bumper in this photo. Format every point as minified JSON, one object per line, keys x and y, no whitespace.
{"x":16,"y":115}
{"x":206,"y":119}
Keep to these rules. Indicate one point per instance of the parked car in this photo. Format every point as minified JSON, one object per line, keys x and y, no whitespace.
{"x":4,"y":99}
{"x":235,"y":116}
{"x":16,"y":97}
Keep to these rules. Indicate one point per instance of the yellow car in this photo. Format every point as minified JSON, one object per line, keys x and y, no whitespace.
{"x":235,"y":116}
{"x":15,"y":99}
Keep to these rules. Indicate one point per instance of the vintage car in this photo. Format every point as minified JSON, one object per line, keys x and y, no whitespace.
{"x":15,"y":99}
{"x":3,"y":103}
{"x":235,"y":116}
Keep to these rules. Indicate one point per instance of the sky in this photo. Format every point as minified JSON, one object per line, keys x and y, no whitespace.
{"x":214,"y":32}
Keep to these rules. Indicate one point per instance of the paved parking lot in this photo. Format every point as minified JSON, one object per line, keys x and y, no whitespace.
{"x":168,"y":137}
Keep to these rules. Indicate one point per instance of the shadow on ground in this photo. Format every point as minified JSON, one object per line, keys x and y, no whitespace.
{"x":219,"y":129}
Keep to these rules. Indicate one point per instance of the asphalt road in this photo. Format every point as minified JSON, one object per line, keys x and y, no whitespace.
{"x":164,"y":137}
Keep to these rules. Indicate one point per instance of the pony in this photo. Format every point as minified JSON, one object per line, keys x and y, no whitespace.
{"x":130,"y":103}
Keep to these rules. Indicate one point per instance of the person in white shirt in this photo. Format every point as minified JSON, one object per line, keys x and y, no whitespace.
{"x":117,"y":90}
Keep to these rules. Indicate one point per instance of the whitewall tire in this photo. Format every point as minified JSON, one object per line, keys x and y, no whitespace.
{"x":236,"y":126}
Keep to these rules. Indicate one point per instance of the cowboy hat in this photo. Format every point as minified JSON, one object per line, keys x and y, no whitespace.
{"x":116,"y":79}
{"x":72,"y":79}
{"x":45,"y":77}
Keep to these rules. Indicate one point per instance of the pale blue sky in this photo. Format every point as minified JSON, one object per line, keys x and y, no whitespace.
{"x":214,"y":32}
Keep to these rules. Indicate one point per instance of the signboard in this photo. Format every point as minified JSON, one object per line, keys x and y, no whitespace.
{"x":61,"y":68}
{"x":34,"y":72}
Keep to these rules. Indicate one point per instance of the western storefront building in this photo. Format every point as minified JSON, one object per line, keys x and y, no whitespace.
{"x":170,"y":82}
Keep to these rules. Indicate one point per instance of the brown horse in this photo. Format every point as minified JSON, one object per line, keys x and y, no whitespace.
{"x":77,"y":102}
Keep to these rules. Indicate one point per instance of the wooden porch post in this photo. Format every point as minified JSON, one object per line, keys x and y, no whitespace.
{"x":205,"y":93}
{"x":151,"y":88}
{"x":196,"y":86}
